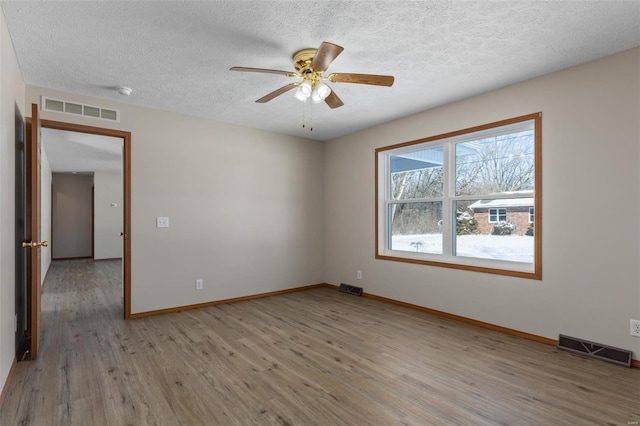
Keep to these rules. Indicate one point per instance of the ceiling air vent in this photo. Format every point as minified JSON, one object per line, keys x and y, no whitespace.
{"x":65,"y":107}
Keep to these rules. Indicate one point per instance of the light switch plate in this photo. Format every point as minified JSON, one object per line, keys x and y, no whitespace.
{"x":162,"y":222}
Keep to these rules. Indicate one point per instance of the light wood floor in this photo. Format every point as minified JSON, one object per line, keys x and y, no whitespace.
{"x":312,"y":357}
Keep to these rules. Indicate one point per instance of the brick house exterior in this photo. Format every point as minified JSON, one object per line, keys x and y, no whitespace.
{"x":517,"y":211}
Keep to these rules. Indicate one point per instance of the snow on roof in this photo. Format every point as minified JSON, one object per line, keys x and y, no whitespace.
{"x":505,"y":202}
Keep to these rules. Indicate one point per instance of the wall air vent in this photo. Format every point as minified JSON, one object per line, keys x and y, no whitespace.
{"x":595,"y":350}
{"x":66,"y":107}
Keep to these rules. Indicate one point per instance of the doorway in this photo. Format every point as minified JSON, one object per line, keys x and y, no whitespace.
{"x":82,"y":188}
{"x":125,"y":233}
{"x":33,"y":209}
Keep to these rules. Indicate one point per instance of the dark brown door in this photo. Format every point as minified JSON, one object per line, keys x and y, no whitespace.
{"x":22,"y":346}
{"x":32,"y":244}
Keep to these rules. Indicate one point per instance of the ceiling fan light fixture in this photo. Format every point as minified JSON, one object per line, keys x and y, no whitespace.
{"x":315,"y":97}
{"x":306,"y":88}
{"x":320,"y":93}
{"x":304,"y":91}
{"x":310,"y":66}
{"x":299,"y":95}
{"x":323,"y":90}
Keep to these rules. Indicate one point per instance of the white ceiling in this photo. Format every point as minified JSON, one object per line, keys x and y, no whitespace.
{"x":176,"y":55}
{"x":82,"y":152}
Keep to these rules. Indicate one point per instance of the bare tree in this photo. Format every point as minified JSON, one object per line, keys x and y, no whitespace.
{"x":501,"y":163}
{"x":410,"y":185}
{"x":491,"y":165}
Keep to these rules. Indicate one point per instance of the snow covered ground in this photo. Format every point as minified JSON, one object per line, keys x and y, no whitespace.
{"x":515,"y":248}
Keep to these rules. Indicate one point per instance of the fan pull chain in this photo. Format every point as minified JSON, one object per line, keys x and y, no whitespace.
{"x":310,"y":115}
{"x":303,"y":114}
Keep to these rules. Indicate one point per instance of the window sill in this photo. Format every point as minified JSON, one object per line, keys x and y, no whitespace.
{"x":514,"y":269}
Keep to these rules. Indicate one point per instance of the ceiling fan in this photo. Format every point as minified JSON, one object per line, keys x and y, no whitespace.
{"x":310,"y":64}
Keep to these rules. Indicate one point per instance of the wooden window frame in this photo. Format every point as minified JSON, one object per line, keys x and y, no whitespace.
{"x":522,"y":270}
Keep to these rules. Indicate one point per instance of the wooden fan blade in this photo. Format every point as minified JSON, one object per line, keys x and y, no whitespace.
{"x":276,"y":93}
{"x":325,"y":55}
{"x":376,"y":80}
{"x":264,"y":70}
{"x":333,"y":100}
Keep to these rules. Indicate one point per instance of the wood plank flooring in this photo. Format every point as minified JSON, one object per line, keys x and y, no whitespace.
{"x":316,"y":357}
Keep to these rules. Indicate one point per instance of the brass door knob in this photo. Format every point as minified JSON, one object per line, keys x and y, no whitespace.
{"x":35,"y":244}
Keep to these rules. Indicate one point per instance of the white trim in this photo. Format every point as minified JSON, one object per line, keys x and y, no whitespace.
{"x":497,"y":215}
{"x":462,"y":260}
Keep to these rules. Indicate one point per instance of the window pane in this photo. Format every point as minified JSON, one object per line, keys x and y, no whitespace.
{"x":502,"y":163}
{"x":416,"y":227}
{"x":417,"y":174}
{"x":497,"y":215}
{"x":509,"y":238}
{"x":484,"y":178}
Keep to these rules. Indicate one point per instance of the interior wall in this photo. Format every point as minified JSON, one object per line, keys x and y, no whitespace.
{"x":108,"y":215}
{"x":244,"y":206}
{"x":590,"y":150}
{"x":45,"y":214}
{"x":12,"y":94}
{"x":72,"y":216}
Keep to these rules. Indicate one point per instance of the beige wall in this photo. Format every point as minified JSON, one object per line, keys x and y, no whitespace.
{"x":12,"y":92}
{"x":108,"y":218}
{"x":72,"y":216}
{"x":591,"y":140}
{"x":244,"y":206}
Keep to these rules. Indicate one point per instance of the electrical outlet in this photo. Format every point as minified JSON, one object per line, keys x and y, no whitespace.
{"x":359,"y":275}
{"x":162,"y":222}
{"x":635,"y":328}
{"x":199,"y":284}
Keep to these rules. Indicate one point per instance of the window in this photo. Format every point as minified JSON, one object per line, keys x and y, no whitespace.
{"x":497,"y":215}
{"x":464,"y":199}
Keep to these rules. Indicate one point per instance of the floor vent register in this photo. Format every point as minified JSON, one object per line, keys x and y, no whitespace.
{"x":351,"y":289}
{"x":595,"y":350}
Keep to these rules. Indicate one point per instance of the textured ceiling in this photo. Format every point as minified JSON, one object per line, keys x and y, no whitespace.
{"x":176,"y":55}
